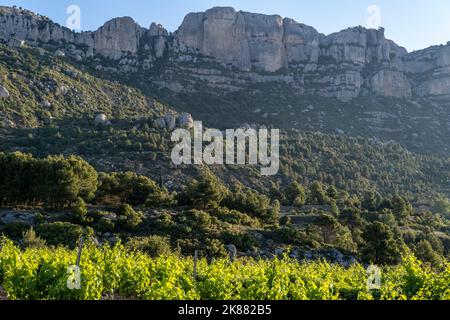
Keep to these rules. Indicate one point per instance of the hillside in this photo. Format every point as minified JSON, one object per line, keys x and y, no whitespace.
{"x":271,"y":71}
{"x":44,"y":88}
{"x":85,"y":139}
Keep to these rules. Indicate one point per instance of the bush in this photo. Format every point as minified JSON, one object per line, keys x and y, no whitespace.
{"x":242,"y":241}
{"x":15,"y":230}
{"x":235,"y":217}
{"x":155,"y":246}
{"x":31,"y":240}
{"x":103,"y":221}
{"x":80,"y":210}
{"x":198,"y":219}
{"x":104,"y":225}
{"x":130,"y":188}
{"x":60,"y":233}
{"x":129,"y":218}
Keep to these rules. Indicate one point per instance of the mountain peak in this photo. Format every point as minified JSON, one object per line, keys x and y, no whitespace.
{"x":343,"y":64}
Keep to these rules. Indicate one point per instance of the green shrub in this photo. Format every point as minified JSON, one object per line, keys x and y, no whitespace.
{"x":128,"y":217}
{"x":15,"y":230}
{"x":31,"y":240}
{"x":155,"y":246}
{"x":60,"y":233}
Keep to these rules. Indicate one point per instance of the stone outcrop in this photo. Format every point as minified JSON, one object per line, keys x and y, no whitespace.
{"x":248,"y":40}
{"x":430,"y":70}
{"x":390,"y":83}
{"x":360,"y":46}
{"x":171,"y":121}
{"x":114,"y":39}
{"x":185,"y":120}
{"x":263,"y":48}
{"x":117,"y":38}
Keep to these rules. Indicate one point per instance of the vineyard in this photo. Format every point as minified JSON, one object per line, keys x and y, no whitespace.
{"x":36,"y":274}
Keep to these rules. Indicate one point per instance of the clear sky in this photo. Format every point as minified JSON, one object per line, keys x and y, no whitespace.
{"x":414,"y":24}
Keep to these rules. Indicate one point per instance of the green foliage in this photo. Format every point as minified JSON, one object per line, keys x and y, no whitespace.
{"x":381,"y":247}
{"x":61,"y":233}
{"x":401,"y":207}
{"x":36,"y":274}
{"x":206,"y":192}
{"x":442,"y":206}
{"x":31,"y":240}
{"x":235,"y":217}
{"x":318,"y":194}
{"x":333,"y":233}
{"x":79,"y":210}
{"x":199,"y":220}
{"x":425,"y":252}
{"x":35,"y":76}
{"x":128,"y":217}
{"x":15,"y":230}
{"x":252,"y":203}
{"x":54,"y":181}
{"x":154,"y":246}
{"x":131,"y":188}
{"x":295,"y":194}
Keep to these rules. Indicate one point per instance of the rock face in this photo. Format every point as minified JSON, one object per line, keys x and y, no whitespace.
{"x":430,"y":68}
{"x":248,"y":40}
{"x":391,"y":84}
{"x":114,"y":39}
{"x":263,"y":48}
{"x":117,"y":38}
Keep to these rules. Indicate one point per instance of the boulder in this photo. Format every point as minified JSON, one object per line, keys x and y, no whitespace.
{"x":159,"y":123}
{"x":4,"y":93}
{"x":46,"y":104}
{"x":63,"y":90}
{"x":186,"y":121}
{"x":60,"y":53}
{"x":232,"y":251}
{"x":171,"y":121}
{"x":279,"y":251}
{"x":101,"y":119}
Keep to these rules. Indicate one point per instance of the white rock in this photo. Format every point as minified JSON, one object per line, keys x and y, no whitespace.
{"x":7,"y":123}
{"x":4,"y":93}
{"x":171,"y":121}
{"x":46,"y":104}
{"x":60,"y":53}
{"x":159,"y":123}
{"x":63,"y":90}
{"x":185,"y":120}
{"x":101,"y":119}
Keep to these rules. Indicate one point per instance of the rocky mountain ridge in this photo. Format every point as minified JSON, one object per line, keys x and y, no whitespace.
{"x":259,"y":48}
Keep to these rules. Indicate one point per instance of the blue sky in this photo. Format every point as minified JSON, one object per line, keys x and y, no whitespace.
{"x":415,"y":24}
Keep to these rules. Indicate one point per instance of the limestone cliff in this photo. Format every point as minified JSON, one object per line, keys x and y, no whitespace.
{"x":261,"y":48}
